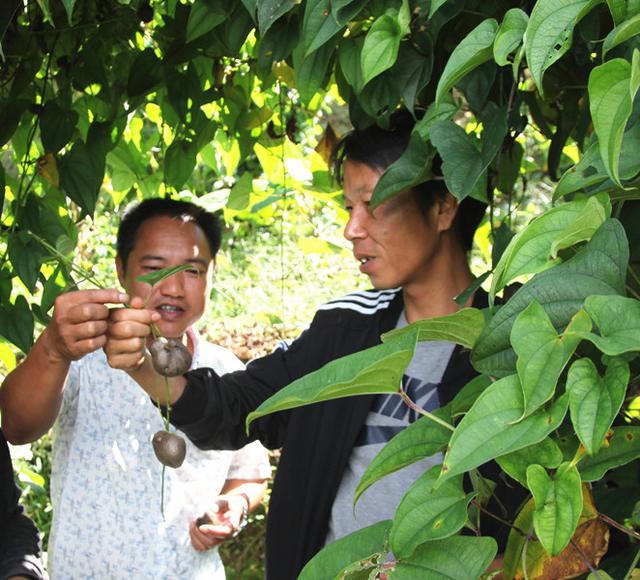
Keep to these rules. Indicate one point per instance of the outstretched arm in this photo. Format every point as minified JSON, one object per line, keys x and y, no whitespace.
{"x":31,"y":395}
{"x":228,"y":514}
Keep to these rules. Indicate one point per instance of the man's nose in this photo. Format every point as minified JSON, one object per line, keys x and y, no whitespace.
{"x":355,"y":228}
{"x":173,"y":285}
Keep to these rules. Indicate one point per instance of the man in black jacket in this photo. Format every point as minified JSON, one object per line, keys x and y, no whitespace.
{"x":19,"y":542}
{"x":414,"y":248}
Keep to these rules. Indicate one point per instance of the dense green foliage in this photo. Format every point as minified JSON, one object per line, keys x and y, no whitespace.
{"x":107,"y":100}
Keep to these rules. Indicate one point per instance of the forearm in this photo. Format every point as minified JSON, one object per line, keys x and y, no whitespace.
{"x":252,"y":489}
{"x":31,"y":394}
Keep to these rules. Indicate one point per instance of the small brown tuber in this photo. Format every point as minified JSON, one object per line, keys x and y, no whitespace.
{"x":170,"y":357}
{"x":170,"y":449}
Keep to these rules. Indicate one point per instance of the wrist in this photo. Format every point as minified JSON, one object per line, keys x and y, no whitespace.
{"x":246,"y":508}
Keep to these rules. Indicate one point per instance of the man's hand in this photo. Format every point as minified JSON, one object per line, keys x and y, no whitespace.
{"x":128,"y":331}
{"x":79,"y":323}
{"x":222,"y":522}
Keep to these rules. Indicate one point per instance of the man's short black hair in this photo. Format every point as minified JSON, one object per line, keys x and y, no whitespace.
{"x":138,"y":213}
{"x":378,"y":148}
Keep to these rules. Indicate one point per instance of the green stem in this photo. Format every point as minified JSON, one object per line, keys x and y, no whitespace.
{"x":422,"y":412}
{"x":633,"y":566}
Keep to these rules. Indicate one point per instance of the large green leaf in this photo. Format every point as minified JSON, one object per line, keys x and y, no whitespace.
{"x":204,"y":16}
{"x":430,"y":510}
{"x":464,"y":157}
{"x":472,"y":51}
{"x":367,"y":543}
{"x":349,"y":58}
{"x":621,"y":448}
{"x":621,"y":33}
{"x":56,"y":126}
{"x":26,"y":257}
{"x":68,"y":6}
{"x":456,"y":557}
{"x":597,"y":268}
{"x":550,"y":33}
{"x":318,"y":24}
{"x":618,"y":321}
{"x":490,"y":429}
{"x":381,"y":45}
{"x":423,"y":438}
{"x":612,"y":88}
{"x":462,"y":327}
{"x":542,"y":354}
{"x":594,"y":401}
{"x":414,"y":165}
{"x":546,"y":453}
{"x":16,"y":323}
{"x":376,"y":370}
{"x":179,"y":161}
{"x":558,"y":501}
{"x":81,"y":174}
{"x":270,"y":10}
{"x":529,"y":250}
{"x":509,"y":35}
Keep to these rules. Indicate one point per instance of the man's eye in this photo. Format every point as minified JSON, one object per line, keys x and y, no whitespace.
{"x":193,"y":272}
{"x":150,"y":268}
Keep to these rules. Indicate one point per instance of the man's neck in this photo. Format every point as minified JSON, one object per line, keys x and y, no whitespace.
{"x":434,"y":295}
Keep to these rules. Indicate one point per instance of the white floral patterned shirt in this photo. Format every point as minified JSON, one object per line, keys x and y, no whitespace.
{"x":106,"y":480}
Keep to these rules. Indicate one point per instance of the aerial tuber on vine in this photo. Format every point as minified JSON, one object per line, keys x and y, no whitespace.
{"x":170,"y":448}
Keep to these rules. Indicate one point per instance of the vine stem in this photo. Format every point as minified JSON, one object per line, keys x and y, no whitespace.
{"x":633,"y":566}
{"x":585,"y":559}
{"x":421,"y":411}
{"x":619,"y":526}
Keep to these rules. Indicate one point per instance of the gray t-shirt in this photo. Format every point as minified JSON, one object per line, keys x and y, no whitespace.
{"x":388,"y":417}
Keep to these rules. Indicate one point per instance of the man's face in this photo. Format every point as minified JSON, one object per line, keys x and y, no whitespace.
{"x":396,"y":243}
{"x":164,"y":242}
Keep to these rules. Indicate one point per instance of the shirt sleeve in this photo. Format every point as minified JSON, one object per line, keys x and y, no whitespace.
{"x":250,"y":462}
{"x":19,"y":541}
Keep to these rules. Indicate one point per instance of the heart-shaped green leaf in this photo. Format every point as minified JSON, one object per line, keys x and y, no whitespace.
{"x":558,"y":501}
{"x":509,"y":35}
{"x":546,"y":453}
{"x":594,"y":401}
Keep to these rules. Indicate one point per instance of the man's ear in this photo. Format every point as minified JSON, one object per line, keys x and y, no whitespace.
{"x":120,"y":271}
{"x":447,"y":211}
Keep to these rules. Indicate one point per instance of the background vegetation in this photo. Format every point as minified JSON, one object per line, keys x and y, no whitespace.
{"x":236,"y":104}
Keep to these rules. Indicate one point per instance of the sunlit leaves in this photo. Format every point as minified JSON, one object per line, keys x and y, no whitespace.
{"x":427,"y":512}
{"x":472,"y":51}
{"x":597,"y":268}
{"x":530,"y":249}
{"x":492,"y":427}
{"x":558,"y":504}
{"x":594,"y":401}
{"x":550,"y":33}
{"x":612,"y":88}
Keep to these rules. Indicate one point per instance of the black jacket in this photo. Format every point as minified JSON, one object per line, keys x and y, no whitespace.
{"x":19,"y":542}
{"x":316,"y":440}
